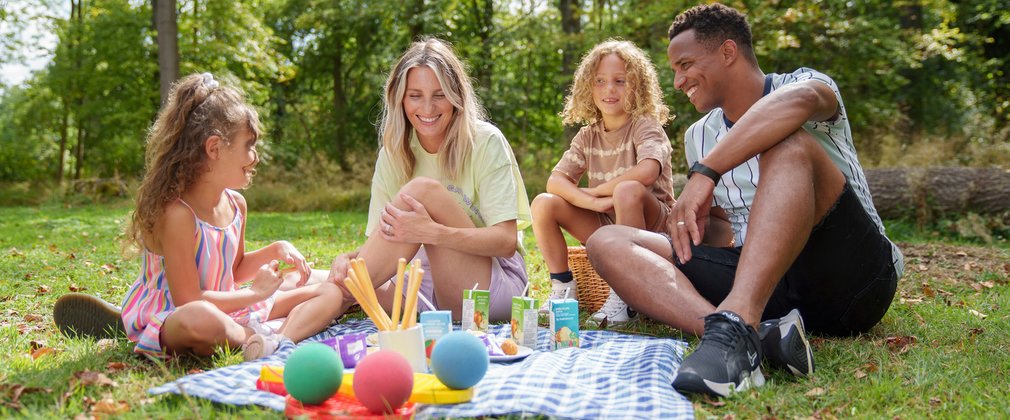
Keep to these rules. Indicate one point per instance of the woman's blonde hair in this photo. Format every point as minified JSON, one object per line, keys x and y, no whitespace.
{"x":395,"y":129}
{"x":197,"y":108}
{"x":643,"y":98}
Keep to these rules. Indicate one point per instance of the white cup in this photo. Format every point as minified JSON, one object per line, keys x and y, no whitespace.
{"x":409,"y":343}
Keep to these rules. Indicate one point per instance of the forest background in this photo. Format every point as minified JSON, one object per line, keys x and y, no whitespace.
{"x":925,"y":81}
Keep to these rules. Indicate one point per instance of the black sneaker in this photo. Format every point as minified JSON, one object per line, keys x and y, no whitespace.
{"x":785,"y":346}
{"x":727,"y":360}
{"x":80,"y":315}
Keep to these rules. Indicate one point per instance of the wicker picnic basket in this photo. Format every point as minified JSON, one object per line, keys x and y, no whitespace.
{"x":593,"y":291}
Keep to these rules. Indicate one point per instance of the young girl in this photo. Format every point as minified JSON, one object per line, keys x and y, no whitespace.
{"x":190,"y":224}
{"x":624,"y":153}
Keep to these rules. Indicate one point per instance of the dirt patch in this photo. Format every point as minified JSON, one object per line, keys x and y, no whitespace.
{"x":932,"y":269}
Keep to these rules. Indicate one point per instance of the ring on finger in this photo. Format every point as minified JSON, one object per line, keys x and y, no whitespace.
{"x":681,"y":223}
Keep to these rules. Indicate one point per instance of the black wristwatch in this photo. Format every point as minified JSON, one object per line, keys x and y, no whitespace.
{"x":704,"y":170}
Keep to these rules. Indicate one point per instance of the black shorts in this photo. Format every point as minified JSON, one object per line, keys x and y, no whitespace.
{"x":842,"y":282}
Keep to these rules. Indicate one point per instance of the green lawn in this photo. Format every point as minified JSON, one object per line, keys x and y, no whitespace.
{"x":940,"y":351}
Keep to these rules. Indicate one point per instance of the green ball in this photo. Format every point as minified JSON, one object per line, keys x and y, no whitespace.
{"x":313,"y":373}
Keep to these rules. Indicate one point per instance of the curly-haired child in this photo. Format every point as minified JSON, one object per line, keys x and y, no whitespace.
{"x":623,"y":152}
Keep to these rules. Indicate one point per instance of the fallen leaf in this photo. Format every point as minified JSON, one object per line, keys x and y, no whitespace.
{"x":194,"y":370}
{"x":75,"y":288}
{"x":922,"y":267}
{"x":109,"y":267}
{"x":6,"y":298}
{"x":870,"y":367}
{"x":901,"y":344}
{"x":977,"y":313}
{"x":713,"y":403}
{"x":928,"y":291}
{"x":33,"y":318}
{"x":961,"y":254}
{"x":975,"y":331}
{"x":115,"y":366}
{"x":42,"y":352}
{"x":42,"y":289}
{"x":16,"y":253}
{"x":110,"y":406}
{"x":934,"y":401}
{"x":88,"y":377}
{"x":988,"y":284}
{"x":36,"y":344}
{"x":859,"y":374}
{"x":28,"y":276}
{"x":71,"y":256}
{"x":910,"y":301}
{"x":816,"y":392}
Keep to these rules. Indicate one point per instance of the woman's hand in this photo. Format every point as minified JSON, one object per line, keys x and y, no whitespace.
{"x":289,"y":254}
{"x":409,"y":226}
{"x":267,"y":280}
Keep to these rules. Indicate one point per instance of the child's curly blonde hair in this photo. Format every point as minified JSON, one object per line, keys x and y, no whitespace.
{"x":644,"y":97}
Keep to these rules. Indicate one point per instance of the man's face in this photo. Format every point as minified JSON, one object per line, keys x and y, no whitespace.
{"x":697,"y":71}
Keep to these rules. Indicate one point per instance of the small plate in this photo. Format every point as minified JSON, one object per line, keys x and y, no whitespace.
{"x":521,"y":354}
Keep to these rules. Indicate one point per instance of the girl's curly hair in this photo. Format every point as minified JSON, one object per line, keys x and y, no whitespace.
{"x":644,"y":96}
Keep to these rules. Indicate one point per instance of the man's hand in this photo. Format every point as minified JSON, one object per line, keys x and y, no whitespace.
{"x":688,"y":216}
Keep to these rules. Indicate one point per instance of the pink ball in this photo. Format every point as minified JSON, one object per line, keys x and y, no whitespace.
{"x":383,"y":381}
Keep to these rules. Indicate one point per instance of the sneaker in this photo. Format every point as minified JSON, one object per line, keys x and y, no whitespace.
{"x":259,"y":346}
{"x":727,"y":360}
{"x":80,"y":315}
{"x":558,"y":290}
{"x":785,"y":346}
{"x":613,"y":313}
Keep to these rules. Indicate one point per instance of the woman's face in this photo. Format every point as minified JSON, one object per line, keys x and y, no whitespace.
{"x":426,"y":106}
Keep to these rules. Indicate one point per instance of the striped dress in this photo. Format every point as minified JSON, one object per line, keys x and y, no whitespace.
{"x":149,"y":302}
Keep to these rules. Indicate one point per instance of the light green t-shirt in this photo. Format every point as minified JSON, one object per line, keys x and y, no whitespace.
{"x":490,"y":190}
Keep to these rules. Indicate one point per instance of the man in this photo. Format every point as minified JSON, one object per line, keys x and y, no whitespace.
{"x":806,"y":237}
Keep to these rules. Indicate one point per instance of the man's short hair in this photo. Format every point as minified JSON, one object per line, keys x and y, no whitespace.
{"x":713,"y":24}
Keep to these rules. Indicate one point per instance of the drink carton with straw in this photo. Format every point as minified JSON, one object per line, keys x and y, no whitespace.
{"x":475,"y":309}
{"x":524,"y":319}
{"x":564,"y":322}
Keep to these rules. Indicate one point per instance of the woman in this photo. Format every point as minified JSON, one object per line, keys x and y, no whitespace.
{"x":447,"y":179}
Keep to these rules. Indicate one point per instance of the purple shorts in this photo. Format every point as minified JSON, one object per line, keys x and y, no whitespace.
{"x":508,"y":279}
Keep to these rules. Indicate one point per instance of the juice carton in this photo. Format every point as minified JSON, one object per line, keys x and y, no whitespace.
{"x":524,"y":321}
{"x":475,"y":309}
{"x":351,"y":347}
{"x":435,"y":324}
{"x":564,"y":323}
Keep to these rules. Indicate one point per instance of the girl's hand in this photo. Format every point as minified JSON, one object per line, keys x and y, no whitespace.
{"x":290,"y":255}
{"x":267,"y":280}
{"x":408,"y":226}
{"x":338,"y":272}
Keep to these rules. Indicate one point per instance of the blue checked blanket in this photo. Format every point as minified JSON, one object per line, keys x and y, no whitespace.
{"x":611,"y":375}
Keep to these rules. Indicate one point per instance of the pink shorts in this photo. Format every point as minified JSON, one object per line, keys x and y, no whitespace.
{"x":508,"y":279}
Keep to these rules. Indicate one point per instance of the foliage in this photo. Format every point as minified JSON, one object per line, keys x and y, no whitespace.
{"x":913,"y":73}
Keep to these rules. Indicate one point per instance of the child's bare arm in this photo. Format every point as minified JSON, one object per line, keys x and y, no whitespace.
{"x":563,"y":186}
{"x":645,"y":172}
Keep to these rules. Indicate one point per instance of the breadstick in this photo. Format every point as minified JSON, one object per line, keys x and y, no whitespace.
{"x":401,"y":265}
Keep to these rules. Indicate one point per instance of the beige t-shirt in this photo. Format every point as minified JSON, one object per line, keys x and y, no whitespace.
{"x":603,"y":156}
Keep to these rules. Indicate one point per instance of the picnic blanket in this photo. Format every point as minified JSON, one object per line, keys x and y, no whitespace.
{"x":611,"y":375}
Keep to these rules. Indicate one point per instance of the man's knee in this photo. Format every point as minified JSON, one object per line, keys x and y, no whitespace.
{"x":799,"y":147}
{"x":606,"y":240}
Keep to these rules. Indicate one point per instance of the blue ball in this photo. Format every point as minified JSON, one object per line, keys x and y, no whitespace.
{"x":459,"y":360}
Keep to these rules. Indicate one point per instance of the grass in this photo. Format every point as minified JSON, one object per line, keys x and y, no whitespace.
{"x":940,"y":351}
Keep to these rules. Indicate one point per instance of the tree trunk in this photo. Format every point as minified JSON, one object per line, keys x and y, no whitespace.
{"x":926,"y":193}
{"x":415,"y":20}
{"x":571,"y":26}
{"x":168,"y":47}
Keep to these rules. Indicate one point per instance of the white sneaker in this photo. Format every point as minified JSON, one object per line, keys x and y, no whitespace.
{"x":558,"y":290}
{"x":614,"y":312}
{"x":260,"y":346}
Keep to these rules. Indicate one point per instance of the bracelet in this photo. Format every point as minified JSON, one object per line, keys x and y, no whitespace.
{"x":698,"y":167}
